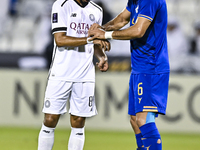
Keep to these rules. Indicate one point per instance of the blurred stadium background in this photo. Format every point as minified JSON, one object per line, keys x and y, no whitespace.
{"x":25,"y":56}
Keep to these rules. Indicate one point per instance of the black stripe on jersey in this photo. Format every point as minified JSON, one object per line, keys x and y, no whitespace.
{"x":151,"y":54}
{"x":146,"y":53}
{"x":96,"y":5}
{"x":59,"y":29}
{"x":147,"y":50}
{"x":53,"y":57}
{"x":64,"y":3}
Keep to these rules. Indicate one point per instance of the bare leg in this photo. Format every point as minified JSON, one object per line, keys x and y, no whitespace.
{"x":77,"y":136}
{"x":134,"y":125}
{"x":141,"y":118}
{"x":51,"y":120}
{"x":46,"y":136}
{"x":77,"y":122}
{"x":136,"y":121}
{"x":151,"y":136}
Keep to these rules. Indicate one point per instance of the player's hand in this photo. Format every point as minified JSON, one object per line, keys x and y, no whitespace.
{"x":95,"y":26}
{"x":104,"y":44}
{"x":107,"y":45}
{"x":96,"y":34}
{"x":103,"y":64}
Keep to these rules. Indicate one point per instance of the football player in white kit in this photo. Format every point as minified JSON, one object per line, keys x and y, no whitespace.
{"x":72,"y":73}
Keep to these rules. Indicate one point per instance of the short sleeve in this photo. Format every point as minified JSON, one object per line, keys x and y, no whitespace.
{"x":148,"y":9}
{"x":100,"y":18}
{"x":58,"y":19}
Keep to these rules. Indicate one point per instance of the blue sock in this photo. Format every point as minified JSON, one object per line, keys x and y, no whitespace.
{"x":151,"y":136}
{"x":139,"y":140}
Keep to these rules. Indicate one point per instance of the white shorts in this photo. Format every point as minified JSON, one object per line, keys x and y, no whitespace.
{"x":80,"y":95}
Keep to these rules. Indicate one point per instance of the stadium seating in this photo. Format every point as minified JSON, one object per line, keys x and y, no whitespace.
{"x":22,"y":31}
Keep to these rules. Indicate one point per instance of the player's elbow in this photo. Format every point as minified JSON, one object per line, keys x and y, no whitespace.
{"x":139,"y":33}
{"x":59,"y":43}
{"x":60,"y":39}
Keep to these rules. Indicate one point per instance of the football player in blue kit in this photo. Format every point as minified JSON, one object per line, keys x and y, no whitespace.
{"x":149,"y":79}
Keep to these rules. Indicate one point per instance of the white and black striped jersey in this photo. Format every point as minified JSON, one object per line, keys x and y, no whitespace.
{"x":74,"y":63}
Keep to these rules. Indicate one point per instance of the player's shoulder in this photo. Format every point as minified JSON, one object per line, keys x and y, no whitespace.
{"x":95,"y":6}
{"x":156,"y":1}
{"x":147,"y":2}
{"x":60,"y":3}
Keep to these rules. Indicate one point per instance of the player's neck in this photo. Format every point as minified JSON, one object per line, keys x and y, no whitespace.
{"x":82,"y":3}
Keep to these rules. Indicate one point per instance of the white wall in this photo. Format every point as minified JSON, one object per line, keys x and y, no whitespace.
{"x":21,"y":99}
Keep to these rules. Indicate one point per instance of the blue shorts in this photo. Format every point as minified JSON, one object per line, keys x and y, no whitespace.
{"x":148,"y":92}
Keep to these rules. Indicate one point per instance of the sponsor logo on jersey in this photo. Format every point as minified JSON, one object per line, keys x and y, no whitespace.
{"x":73,"y":15}
{"x":91,"y":16}
{"x":79,"y":133}
{"x":80,"y":28}
{"x":55,"y":18}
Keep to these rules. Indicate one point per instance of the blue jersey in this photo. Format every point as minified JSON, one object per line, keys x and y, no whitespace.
{"x":149,"y":54}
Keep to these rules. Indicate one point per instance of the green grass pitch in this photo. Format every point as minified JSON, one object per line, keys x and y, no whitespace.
{"x":26,"y":139}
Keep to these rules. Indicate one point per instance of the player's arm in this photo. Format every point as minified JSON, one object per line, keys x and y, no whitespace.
{"x":102,"y":58}
{"x":136,"y":31}
{"x":62,"y":40}
{"x":115,"y":24}
{"x":118,"y":22}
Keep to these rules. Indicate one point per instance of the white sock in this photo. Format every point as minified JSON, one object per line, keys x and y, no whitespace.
{"x":77,"y":139}
{"x":46,"y":138}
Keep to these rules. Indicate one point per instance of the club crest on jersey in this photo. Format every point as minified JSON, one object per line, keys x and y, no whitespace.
{"x":91,"y":16}
{"x":55,"y":18}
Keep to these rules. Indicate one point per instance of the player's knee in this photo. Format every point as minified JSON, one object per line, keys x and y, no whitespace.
{"x":133,"y":120}
{"x":77,"y":122}
{"x":140,"y":121}
{"x":51,"y":120}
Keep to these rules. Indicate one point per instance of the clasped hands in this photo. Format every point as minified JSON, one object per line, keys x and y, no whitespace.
{"x":96,"y":34}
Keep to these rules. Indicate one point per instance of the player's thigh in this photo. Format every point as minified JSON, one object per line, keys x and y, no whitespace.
{"x":82,"y":101}
{"x":160,"y":86}
{"x":151,"y":92}
{"x":56,"y":96}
